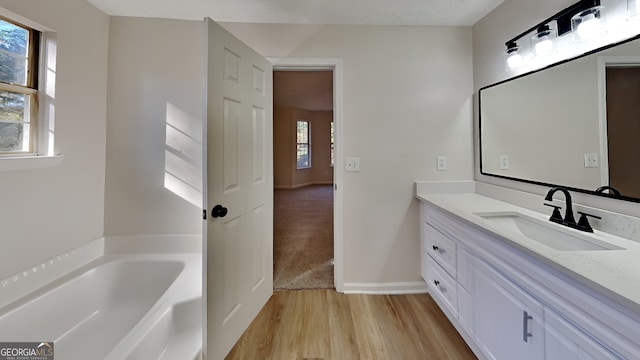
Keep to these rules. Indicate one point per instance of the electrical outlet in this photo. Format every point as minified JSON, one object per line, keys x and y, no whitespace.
{"x":441,"y":163}
{"x":504,"y":162}
{"x":591,"y":160}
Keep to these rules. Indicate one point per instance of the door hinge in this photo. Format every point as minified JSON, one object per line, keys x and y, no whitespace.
{"x":204,"y":214}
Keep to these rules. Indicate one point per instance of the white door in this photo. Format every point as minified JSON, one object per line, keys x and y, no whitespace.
{"x":239,"y":185}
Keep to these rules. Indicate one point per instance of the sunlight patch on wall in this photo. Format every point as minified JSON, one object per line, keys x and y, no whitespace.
{"x":183,"y":155}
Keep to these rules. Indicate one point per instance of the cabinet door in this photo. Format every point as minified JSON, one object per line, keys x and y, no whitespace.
{"x":507,"y":321}
{"x":442,"y":287}
{"x":440,"y":248}
{"x":564,"y":341}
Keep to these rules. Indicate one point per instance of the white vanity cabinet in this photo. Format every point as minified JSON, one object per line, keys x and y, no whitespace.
{"x":567,"y":342}
{"x":507,"y":322}
{"x":439,"y":270}
{"x":508,"y":304}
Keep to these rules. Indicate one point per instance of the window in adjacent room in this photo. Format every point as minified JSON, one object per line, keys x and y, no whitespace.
{"x":333,"y":150}
{"x":19,"y":47}
{"x":303,"y":150}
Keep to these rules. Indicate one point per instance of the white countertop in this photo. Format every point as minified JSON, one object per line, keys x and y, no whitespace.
{"x":613,"y":273}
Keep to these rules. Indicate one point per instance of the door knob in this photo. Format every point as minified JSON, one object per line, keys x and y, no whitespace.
{"x":219,"y":211}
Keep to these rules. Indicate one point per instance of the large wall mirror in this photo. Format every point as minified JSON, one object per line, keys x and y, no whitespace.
{"x":575,"y":124}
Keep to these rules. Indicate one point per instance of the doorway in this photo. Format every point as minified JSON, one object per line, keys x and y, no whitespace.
{"x":303,"y":179}
{"x":320,"y":190}
{"x":622,"y":93}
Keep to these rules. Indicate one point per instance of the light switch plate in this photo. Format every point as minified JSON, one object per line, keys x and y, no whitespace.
{"x":352,"y":164}
{"x":441,"y":163}
{"x":591,"y":160}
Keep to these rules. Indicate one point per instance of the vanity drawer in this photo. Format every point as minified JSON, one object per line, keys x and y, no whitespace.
{"x":440,"y":248}
{"x":442,"y":286}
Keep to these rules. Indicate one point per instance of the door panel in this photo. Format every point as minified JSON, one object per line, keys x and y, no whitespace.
{"x":231,"y":141}
{"x":239,"y":176}
{"x":507,"y":321}
{"x":257,"y":264}
{"x":259,"y":149}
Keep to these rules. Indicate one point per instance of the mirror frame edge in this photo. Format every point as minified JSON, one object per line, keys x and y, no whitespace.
{"x":541,"y":183}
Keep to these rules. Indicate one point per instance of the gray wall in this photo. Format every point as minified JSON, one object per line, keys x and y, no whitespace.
{"x":407,"y":98}
{"x":154,"y":127}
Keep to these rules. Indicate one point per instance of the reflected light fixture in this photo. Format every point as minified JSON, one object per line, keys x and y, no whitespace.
{"x":633,"y":10}
{"x":543,"y":42}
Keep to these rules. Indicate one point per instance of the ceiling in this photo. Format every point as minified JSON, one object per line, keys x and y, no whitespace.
{"x":309,"y":90}
{"x":369,"y":12}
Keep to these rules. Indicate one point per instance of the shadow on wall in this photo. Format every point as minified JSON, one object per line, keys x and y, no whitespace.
{"x":183,"y":155}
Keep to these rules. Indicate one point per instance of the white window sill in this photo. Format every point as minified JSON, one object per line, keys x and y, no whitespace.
{"x":29,"y":162}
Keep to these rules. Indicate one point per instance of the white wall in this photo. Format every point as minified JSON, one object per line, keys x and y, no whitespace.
{"x":407,"y":98}
{"x":45,"y":212}
{"x":489,"y":36}
{"x":154,"y":129}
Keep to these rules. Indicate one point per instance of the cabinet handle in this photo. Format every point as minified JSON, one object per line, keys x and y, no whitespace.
{"x":525,"y":326}
{"x":435,"y":247}
{"x":436,"y":282}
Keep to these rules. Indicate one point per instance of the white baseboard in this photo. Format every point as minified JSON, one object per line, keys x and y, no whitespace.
{"x":297,"y":186}
{"x":391,"y":288}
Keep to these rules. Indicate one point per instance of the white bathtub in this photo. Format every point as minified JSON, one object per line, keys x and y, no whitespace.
{"x":115,"y":307}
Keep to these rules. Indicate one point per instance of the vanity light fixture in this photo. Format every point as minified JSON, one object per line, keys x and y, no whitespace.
{"x":543,"y":42}
{"x":514,"y":58}
{"x":589,"y":23}
{"x":585,"y":19}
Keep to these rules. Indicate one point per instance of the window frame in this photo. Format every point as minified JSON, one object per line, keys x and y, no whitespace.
{"x":332,"y":135}
{"x":31,"y":89}
{"x":307,"y":144}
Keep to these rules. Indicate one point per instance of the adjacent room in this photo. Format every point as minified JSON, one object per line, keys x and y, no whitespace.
{"x":303,"y":157}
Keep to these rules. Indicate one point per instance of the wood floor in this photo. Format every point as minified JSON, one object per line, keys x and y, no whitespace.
{"x":323,"y":324}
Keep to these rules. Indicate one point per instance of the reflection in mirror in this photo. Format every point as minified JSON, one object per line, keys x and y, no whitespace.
{"x":573,"y":124}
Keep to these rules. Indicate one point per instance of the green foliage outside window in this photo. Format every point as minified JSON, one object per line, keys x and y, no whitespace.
{"x":15,"y":93}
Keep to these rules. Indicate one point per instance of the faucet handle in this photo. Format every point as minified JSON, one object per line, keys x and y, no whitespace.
{"x":555,"y":216}
{"x":583,"y":223}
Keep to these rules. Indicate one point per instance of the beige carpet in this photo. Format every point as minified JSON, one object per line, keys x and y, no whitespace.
{"x":303,"y":238}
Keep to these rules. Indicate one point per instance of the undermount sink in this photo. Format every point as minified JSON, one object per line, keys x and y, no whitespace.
{"x":545,"y":232}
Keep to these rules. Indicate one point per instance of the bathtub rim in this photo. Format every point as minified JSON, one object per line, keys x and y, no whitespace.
{"x":106,"y":249}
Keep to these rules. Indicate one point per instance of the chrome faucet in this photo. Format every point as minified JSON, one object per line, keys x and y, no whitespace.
{"x":568,"y":219}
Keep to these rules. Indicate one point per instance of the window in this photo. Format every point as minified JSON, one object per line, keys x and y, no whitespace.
{"x":303,"y":150}
{"x":19,"y":47}
{"x":333,"y":149}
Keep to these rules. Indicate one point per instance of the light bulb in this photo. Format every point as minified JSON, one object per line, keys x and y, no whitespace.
{"x":515,"y":60}
{"x":590,"y":26}
{"x":544,"y":46}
